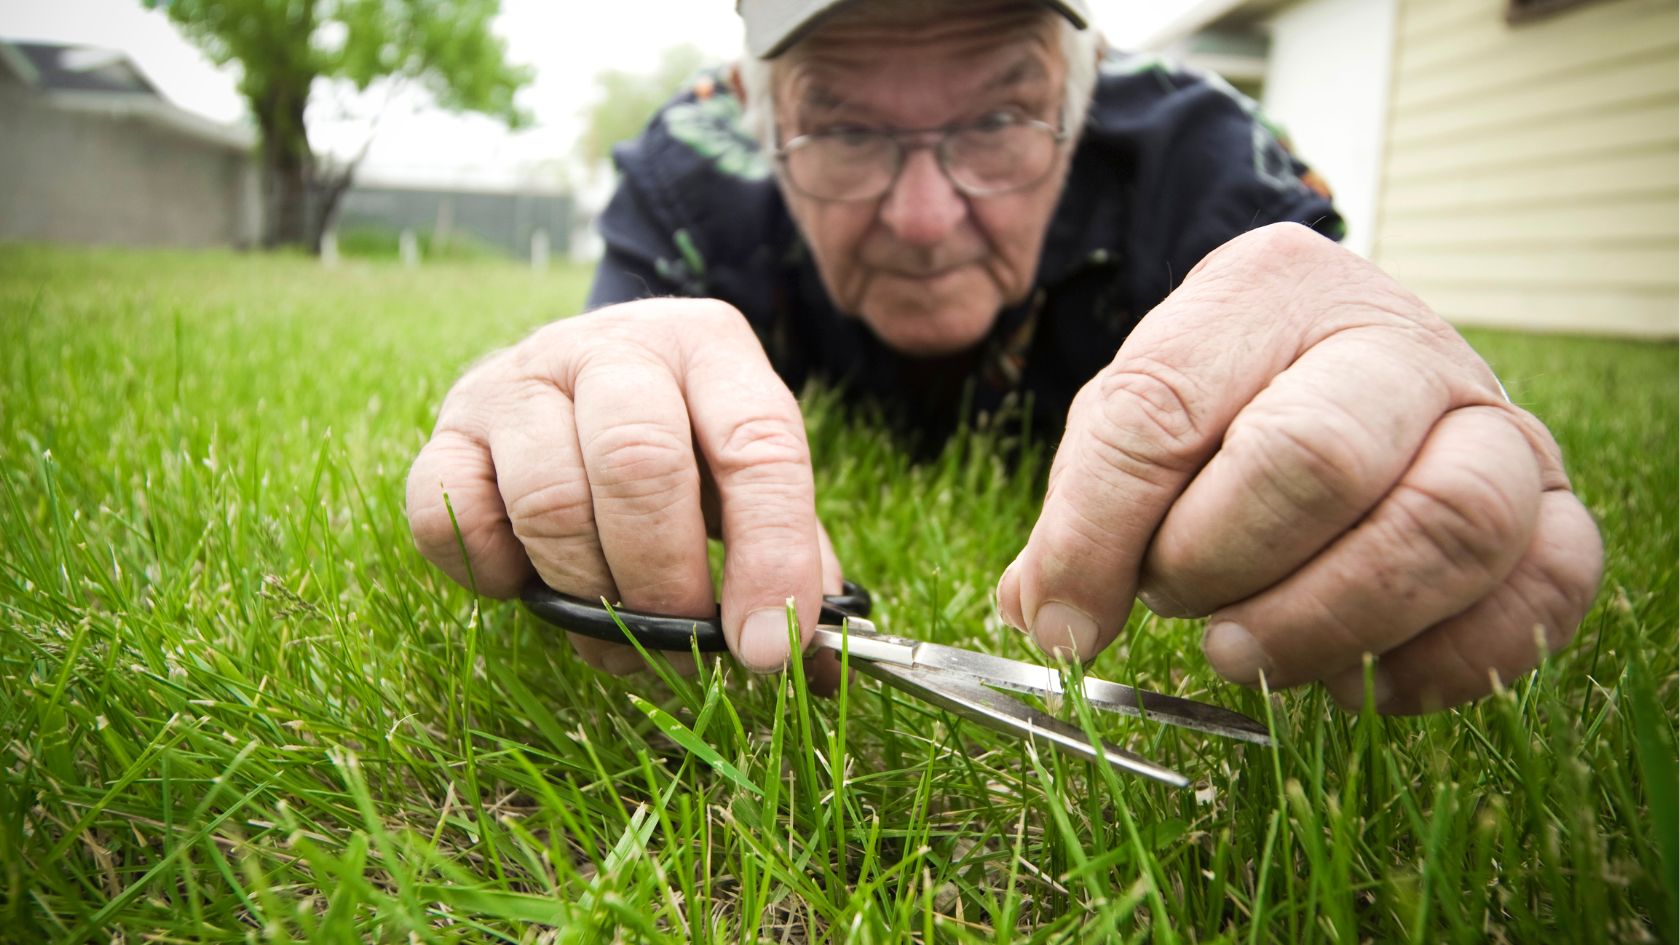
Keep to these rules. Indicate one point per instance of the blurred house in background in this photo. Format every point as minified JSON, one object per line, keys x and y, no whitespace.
{"x":91,"y":153}
{"x":1514,"y":162}
{"x":513,"y":222}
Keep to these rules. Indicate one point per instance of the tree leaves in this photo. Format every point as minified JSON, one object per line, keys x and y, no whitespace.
{"x":283,"y":46}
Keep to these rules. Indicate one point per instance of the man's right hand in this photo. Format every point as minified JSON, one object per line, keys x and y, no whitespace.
{"x":596,"y":452}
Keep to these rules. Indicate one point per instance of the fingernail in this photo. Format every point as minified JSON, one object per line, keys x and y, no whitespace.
{"x":1234,"y":653}
{"x":1059,"y":627}
{"x":1161,"y":603}
{"x":622,"y":662}
{"x":1010,"y":617}
{"x":763,"y":647}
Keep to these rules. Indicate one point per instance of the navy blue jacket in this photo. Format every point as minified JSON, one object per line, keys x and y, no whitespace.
{"x":1170,"y":165}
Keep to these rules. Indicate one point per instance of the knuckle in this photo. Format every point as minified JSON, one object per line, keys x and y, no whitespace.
{"x":430,"y":519}
{"x":639,"y":460}
{"x":1283,"y":245}
{"x":1315,"y":280}
{"x":654,"y":323}
{"x":761,"y":444}
{"x":482,"y":394}
{"x":1145,"y":423}
{"x":711,"y":315}
{"x":1468,"y":521}
{"x":772,"y":546}
{"x":557,"y":507}
{"x":1553,"y":476}
{"x":1318,"y":461}
{"x":434,"y":533}
{"x":1567,"y":567}
{"x":1279,"y":255}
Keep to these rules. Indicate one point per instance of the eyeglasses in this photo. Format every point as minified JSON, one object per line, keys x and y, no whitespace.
{"x":996,"y":155}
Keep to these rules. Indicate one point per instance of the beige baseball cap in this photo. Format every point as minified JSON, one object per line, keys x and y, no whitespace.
{"x":774,"y":25}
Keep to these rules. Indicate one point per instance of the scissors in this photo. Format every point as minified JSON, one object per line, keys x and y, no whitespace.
{"x":964,"y":682}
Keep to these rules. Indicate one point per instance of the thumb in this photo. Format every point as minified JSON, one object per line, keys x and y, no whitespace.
{"x":832,"y":574}
{"x":822,"y":668}
{"x":1140,"y":430}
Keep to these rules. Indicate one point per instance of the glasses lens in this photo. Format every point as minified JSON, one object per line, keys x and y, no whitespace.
{"x":843,"y":165}
{"x":994,"y":158}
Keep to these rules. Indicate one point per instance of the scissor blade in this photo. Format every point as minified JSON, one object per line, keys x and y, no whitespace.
{"x":1032,"y":679}
{"x":1002,"y":713}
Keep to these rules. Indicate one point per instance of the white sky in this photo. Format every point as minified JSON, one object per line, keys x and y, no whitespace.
{"x":567,"y":42}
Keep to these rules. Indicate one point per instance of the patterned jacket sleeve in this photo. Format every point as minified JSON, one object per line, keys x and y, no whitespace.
{"x":694,"y":204}
{"x":1208,"y":166}
{"x":636,"y":263}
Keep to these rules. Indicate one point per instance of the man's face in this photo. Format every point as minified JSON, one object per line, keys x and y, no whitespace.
{"x":926,"y":267}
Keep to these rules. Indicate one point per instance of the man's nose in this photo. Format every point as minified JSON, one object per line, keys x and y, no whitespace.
{"x":923,"y":207}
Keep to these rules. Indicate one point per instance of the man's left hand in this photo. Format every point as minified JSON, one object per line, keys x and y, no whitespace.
{"x":1295,"y":445}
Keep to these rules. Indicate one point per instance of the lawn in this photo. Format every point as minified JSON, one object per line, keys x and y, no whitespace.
{"x":236,"y":706}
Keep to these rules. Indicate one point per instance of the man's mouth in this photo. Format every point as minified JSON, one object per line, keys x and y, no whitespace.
{"x":926,"y":275}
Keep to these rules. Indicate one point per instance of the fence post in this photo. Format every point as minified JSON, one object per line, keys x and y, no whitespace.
{"x":539,"y":248}
{"x":408,"y":248}
{"x":329,"y":248}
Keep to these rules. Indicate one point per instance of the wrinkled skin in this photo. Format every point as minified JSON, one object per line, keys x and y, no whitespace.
{"x":1290,"y":443}
{"x":577,"y":455}
{"x":926,"y":268}
{"x":1294,"y":444}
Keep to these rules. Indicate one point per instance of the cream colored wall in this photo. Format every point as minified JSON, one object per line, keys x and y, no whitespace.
{"x":1327,"y":85}
{"x":1531,"y":176}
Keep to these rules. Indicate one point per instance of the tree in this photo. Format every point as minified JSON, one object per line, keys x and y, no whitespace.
{"x":624,"y":101}
{"x":283,"y":46}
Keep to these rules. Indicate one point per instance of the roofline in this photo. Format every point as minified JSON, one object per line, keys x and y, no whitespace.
{"x":1199,"y":15}
{"x":19,"y":63}
{"x":156,"y":111}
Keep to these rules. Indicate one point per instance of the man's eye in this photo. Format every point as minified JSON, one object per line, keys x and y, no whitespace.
{"x":856,"y":138}
{"x":997,"y":121}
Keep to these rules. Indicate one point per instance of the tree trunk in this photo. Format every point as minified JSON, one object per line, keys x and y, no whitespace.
{"x":329,"y":190}
{"x":288,"y":166}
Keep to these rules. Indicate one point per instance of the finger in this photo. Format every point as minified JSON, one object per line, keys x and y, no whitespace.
{"x":632,"y":428}
{"x":1535,"y":611}
{"x":454,"y":471}
{"x":618,"y":659}
{"x":545,"y":489}
{"x":1130,"y":443}
{"x":1140,"y":431}
{"x":1449,"y":532}
{"x":1310,"y":456}
{"x":621,"y":659}
{"x":822,"y":667}
{"x":833,"y":576}
{"x":540,"y":475}
{"x":752,"y":436}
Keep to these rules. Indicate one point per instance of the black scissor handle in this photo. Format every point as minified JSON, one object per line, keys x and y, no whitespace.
{"x":658,"y":631}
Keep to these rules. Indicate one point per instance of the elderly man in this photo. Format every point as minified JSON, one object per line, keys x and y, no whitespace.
{"x":947,"y":202}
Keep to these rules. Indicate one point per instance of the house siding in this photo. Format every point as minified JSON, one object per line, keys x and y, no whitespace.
{"x":1531,"y":173}
{"x":88,"y":176}
{"x":1327,"y":86}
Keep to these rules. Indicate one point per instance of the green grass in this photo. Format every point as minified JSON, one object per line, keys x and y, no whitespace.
{"x":236,"y":706}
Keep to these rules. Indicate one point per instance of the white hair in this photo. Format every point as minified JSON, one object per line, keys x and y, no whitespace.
{"x":1079,"y":51}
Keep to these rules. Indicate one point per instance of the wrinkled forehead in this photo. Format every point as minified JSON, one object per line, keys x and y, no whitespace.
{"x":971,"y":52}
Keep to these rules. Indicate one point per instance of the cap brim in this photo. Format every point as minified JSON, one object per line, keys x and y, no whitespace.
{"x":772,"y":27}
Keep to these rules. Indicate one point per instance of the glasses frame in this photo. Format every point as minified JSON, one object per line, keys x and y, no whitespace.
{"x":906,"y":141}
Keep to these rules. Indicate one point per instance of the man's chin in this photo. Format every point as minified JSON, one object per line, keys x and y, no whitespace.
{"x":924,"y":332}
{"x":927,"y":340}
